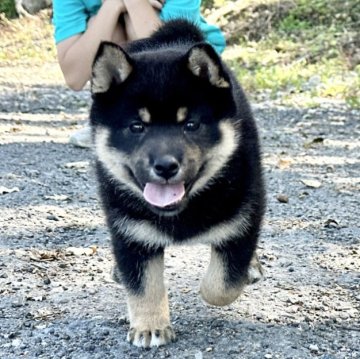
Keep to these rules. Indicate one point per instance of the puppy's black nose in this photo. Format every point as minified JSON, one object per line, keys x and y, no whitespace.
{"x":166,"y":166}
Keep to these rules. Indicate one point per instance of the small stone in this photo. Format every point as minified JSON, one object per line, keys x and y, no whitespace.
{"x":77,"y":165}
{"x":16,"y":343}
{"x":282,"y":198}
{"x":311,"y":183}
{"x":105,"y":332}
{"x":313,"y":348}
{"x":331,"y":223}
{"x":268,"y":356}
{"x":51,"y":217}
{"x":5,"y":190}
{"x":17,"y":304}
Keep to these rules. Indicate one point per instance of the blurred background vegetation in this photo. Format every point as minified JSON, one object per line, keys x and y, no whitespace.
{"x":296,"y":52}
{"x":7,"y":7}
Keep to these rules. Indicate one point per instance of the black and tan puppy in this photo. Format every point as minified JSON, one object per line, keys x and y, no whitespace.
{"x":177,"y":162}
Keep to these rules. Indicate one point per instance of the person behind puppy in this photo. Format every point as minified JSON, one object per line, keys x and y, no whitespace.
{"x":80,"y":26}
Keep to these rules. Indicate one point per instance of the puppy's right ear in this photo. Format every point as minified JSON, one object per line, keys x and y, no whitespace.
{"x":111,"y":65}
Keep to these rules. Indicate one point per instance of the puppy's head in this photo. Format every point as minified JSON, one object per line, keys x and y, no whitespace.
{"x":162,"y":121}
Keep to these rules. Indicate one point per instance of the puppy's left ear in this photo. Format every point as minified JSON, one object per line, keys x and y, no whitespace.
{"x":111,"y":65}
{"x":204,"y":62}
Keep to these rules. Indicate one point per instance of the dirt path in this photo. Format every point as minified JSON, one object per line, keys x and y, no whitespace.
{"x":57,"y":298}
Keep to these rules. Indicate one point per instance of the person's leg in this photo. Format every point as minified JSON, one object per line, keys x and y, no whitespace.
{"x":82,"y":138}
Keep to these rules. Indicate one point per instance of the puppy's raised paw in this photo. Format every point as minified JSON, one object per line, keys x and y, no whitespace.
{"x":146,"y":338}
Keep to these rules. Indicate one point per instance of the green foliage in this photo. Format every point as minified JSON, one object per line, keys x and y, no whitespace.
{"x":304,"y":49}
{"x":8,"y":8}
{"x":207,"y":4}
{"x":313,"y":13}
{"x":293,"y":24}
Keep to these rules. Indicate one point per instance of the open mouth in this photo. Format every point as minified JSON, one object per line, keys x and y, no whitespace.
{"x":164,"y":196}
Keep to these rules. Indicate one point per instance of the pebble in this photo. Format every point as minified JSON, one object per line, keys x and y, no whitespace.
{"x":313,"y":348}
{"x":51,"y":217}
{"x":17,"y":304}
{"x":282,"y":198}
{"x":16,"y":342}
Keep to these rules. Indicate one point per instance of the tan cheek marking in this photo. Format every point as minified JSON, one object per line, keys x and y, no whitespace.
{"x":145,"y":115}
{"x":181,"y":114}
{"x":113,"y":160}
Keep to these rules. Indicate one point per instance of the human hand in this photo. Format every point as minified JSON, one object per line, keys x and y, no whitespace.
{"x":116,"y":4}
{"x":157,"y":4}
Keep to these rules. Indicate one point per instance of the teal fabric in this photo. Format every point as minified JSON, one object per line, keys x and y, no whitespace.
{"x":190,"y":10}
{"x":71,"y":17}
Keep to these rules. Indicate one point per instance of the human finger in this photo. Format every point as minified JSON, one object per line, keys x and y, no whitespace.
{"x":156,"y":4}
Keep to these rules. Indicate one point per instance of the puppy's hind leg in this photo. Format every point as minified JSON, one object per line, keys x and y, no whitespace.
{"x":231,"y":267}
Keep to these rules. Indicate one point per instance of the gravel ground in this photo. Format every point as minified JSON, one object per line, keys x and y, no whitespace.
{"x":57,"y":296}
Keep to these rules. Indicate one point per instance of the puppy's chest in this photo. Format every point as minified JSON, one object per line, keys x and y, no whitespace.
{"x":162,"y":233}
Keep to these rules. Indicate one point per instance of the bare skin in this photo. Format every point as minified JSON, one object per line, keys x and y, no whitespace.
{"x":76,"y":54}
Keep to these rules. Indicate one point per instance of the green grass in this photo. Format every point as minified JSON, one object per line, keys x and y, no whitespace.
{"x":303,"y":49}
{"x":7,"y":7}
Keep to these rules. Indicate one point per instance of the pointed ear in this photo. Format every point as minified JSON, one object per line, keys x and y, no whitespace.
{"x":204,"y":62}
{"x":111,"y":64}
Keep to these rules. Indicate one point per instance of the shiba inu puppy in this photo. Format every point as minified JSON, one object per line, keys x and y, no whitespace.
{"x":178,"y":162}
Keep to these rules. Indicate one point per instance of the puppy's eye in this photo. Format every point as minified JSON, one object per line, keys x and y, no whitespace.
{"x":191,"y":126}
{"x":137,"y":127}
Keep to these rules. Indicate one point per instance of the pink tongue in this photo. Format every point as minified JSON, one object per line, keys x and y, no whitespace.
{"x":162,"y":195}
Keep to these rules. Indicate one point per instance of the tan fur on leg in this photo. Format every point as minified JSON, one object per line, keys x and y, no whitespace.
{"x":213,"y":289}
{"x":149,"y":313}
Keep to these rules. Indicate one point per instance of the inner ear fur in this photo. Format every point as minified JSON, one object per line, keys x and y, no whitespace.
{"x":111,"y":64}
{"x":205,"y":63}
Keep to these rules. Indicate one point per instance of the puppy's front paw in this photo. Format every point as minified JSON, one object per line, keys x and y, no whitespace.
{"x":150,"y":337}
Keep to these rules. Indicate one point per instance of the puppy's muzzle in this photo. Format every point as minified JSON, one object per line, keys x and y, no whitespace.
{"x":166,"y":167}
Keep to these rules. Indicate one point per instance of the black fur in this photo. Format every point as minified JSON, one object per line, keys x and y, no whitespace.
{"x":176,"y":32}
{"x":162,"y":82}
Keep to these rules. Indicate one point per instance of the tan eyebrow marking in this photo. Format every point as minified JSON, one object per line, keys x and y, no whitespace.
{"x":144,"y":115}
{"x":181,"y":114}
